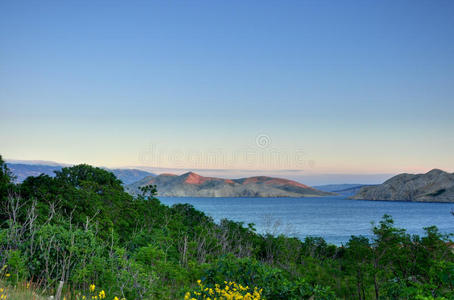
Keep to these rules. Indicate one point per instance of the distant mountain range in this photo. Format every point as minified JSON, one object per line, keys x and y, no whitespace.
{"x":346,"y":189}
{"x":23,"y":170}
{"x":193,"y":185}
{"x":186,"y":185}
{"x":433,"y":186}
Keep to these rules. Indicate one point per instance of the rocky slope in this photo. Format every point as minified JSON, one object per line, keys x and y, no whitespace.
{"x":194,"y":185}
{"x":434,"y":186}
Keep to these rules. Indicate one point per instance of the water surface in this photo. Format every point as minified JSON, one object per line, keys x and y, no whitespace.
{"x":333,"y":218}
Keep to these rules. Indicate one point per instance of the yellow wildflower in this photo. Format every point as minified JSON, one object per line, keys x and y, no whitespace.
{"x":230,"y":291}
{"x":92,"y":287}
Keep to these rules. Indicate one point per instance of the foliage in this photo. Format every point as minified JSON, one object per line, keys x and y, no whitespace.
{"x":226,"y":291}
{"x":82,"y":228}
{"x":250,"y":272}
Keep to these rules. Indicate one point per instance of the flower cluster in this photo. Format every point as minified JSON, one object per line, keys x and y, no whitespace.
{"x":228,"y":291}
{"x":3,"y":271}
{"x":95,"y":295}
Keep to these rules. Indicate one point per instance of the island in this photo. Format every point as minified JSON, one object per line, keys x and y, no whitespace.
{"x":433,"y":186}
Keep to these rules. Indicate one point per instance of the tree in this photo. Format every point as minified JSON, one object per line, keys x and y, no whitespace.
{"x":387,"y":246}
{"x":6,"y":185}
{"x":358,"y":256}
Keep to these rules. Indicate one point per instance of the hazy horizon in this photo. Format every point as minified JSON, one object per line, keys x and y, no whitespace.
{"x":297,"y":175}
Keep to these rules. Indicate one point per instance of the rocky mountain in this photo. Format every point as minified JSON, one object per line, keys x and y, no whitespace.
{"x":193,"y":185}
{"x":346,"y":189}
{"x":433,"y":186}
{"x":128,"y":176}
{"x":335,"y":187}
{"x":348,"y":192}
{"x":24,"y":170}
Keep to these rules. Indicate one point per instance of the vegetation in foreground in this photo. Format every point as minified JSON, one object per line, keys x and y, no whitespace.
{"x":81,"y":228}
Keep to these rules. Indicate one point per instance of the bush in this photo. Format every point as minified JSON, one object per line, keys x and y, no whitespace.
{"x":275,"y":283}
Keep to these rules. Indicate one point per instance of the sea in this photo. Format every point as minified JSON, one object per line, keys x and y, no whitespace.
{"x":335,"y":219}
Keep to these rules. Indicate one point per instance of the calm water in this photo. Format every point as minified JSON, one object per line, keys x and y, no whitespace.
{"x":333,"y":218}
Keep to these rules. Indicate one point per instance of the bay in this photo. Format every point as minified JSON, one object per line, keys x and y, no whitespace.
{"x":335,"y":219}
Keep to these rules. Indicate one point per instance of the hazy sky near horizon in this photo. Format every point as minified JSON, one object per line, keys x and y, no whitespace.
{"x":315,"y":86}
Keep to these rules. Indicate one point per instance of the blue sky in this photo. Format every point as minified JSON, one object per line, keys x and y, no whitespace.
{"x":335,"y":87}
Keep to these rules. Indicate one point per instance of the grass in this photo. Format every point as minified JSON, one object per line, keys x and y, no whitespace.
{"x":21,"y":291}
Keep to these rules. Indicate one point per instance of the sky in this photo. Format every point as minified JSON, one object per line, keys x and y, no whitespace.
{"x":302,"y":89}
